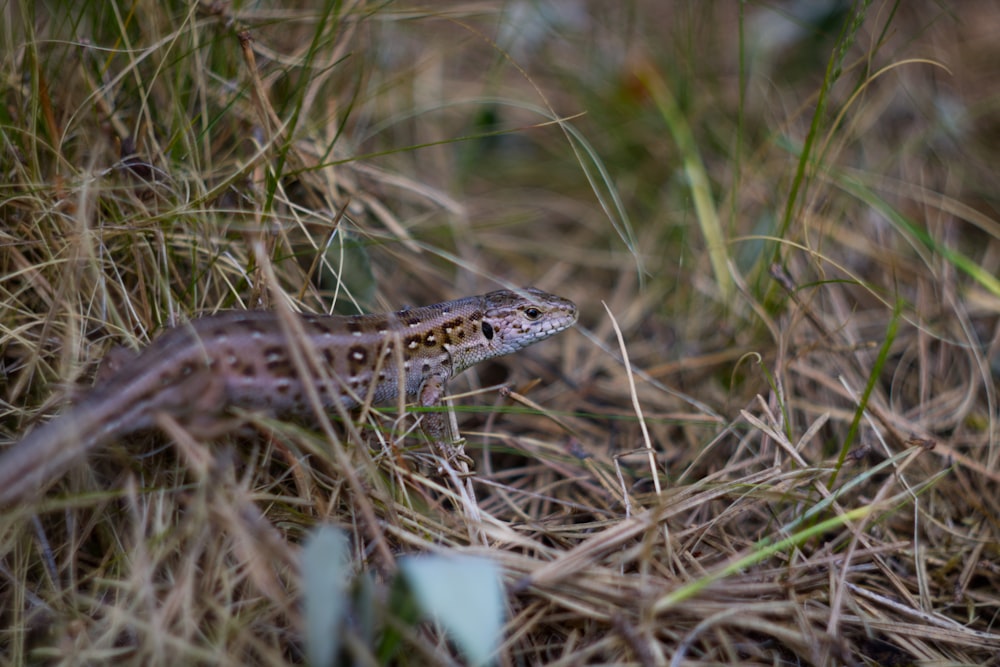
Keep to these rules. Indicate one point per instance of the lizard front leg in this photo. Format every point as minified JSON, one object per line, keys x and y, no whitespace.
{"x":438,"y":425}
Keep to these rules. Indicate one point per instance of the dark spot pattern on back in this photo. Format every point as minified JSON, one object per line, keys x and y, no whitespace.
{"x":445,"y":337}
{"x":319,"y":326}
{"x":452,"y":325}
{"x":277,"y":361}
{"x":357,"y":358}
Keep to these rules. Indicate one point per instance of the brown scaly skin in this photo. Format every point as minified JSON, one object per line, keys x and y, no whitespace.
{"x":246,"y":359}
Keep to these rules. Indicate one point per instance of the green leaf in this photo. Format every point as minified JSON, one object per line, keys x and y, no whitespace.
{"x":463,"y":594}
{"x":326,"y":571}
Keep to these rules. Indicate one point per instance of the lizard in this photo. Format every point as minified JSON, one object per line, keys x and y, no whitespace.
{"x":197,"y":372}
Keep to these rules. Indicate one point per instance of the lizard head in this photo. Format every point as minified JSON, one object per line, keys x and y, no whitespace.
{"x":512,"y":320}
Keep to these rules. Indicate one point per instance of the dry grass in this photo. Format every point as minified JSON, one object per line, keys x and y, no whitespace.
{"x":795,"y":235}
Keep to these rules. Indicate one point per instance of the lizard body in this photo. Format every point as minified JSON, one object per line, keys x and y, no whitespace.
{"x":247,"y":359}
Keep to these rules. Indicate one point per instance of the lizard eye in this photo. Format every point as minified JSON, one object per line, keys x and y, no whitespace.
{"x":532,"y":313}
